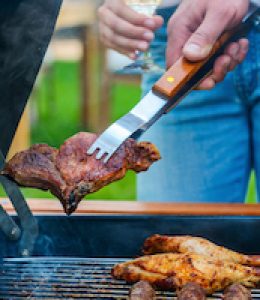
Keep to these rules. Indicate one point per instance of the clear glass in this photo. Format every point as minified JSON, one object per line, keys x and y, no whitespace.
{"x":144,"y":62}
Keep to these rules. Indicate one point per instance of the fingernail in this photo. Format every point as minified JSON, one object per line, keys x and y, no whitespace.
{"x":197,"y":50}
{"x":149,"y":23}
{"x":142,"y":46}
{"x":148,"y":35}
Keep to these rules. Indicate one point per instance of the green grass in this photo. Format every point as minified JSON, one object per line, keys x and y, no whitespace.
{"x":55,"y":103}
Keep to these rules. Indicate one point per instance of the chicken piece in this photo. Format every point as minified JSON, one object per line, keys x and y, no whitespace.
{"x":70,"y":174}
{"x":142,"y":290}
{"x":172,"y":271}
{"x":191,"y":291}
{"x":237,"y":292}
{"x":189,"y":244}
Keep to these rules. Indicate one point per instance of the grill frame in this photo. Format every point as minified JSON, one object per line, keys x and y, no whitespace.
{"x":112,"y":236}
{"x":122,"y":235}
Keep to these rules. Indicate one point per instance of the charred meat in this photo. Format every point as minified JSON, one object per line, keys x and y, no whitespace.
{"x":142,"y":290}
{"x":191,"y":291}
{"x":197,"y":245}
{"x":70,"y":174}
{"x":237,"y":292}
{"x":172,"y":271}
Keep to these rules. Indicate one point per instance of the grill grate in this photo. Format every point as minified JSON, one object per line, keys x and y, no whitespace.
{"x":69,"y":278}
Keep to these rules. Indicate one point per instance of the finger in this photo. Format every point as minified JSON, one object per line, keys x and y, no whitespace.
{"x":237,"y":51}
{"x":221,"y":68}
{"x":233,"y":51}
{"x":244,"y":45}
{"x":207,"y":84}
{"x":123,"y":27}
{"x":178,"y":33}
{"x":123,"y":51}
{"x":125,"y":12}
{"x":202,"y":40}
{"x":129,"y":45}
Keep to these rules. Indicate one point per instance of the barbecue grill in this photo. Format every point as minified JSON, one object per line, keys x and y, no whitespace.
{"x":73,"y":256}
{"x":47,"y":255}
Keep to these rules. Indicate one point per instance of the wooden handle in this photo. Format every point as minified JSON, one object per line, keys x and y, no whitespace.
{"x":183,"y":70}
{"x":53,"y":207}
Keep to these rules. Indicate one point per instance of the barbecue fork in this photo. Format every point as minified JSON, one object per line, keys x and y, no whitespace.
{"x":167,"y":92}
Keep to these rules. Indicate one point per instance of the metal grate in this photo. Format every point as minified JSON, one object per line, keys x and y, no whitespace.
{"x":67,"y":278}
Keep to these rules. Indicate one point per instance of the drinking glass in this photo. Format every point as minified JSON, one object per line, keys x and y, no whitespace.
{"x":144,"y":61}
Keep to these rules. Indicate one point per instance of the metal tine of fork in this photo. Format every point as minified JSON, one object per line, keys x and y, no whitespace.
{"x":92,"y":149}
{"x":132,"y":125}
{"x":100,"y":154}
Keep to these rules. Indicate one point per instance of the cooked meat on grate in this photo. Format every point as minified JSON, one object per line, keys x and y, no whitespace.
{"x":191,"y":291}
{"x":237,"y":292}
{"x":70,"y":174}
{"x":142,"y":290}
{"x":189,"y":244}
{"x":172,"y":271}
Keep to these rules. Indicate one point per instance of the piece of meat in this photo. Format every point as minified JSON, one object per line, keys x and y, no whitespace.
{"x":70,"y":174}
{"x":142,"y":290}
{"x":189,"y":244}
{"x":191,"y":291}
{"x":172,"y":271}
{"x":36,"y":168}
{"x":237,"y":292}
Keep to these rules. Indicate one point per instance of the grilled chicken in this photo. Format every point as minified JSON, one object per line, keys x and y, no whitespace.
{"x":142,"y":290}
{"x":70,"y":174}
{"x":172,"y":271}
{"x":237,"y":292}
{"x":189,"y":244}
{"x":191,"y":291}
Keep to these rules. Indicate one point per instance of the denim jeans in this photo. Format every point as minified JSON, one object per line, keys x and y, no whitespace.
{"x":211,"y":141}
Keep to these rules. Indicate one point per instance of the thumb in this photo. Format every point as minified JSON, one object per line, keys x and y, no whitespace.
{"x":203,"y":39}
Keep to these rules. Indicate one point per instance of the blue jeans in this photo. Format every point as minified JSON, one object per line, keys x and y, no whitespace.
{"x":211,"y":141}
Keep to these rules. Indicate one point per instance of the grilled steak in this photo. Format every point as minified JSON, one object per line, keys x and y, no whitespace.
{"x":172,"y":271}
{"x":189,"y":244}
{"x":191,"y":291}
{"x":237,"y":292}
{"x":142,"y":290}
{"x":70,"y":174}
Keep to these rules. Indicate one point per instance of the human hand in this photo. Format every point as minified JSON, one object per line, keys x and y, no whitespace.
{"x":195,"y":27}
{"x":125,"y":30}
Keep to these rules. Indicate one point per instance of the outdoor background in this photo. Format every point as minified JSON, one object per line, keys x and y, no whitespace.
{"x":78,"y":90}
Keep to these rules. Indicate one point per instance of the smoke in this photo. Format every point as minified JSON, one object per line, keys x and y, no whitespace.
{"x":45,"y":246}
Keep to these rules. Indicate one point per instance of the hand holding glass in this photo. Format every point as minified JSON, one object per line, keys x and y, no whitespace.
{"x":145,"y":63}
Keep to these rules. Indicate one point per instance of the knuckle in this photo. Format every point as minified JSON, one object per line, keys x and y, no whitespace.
{"x":201,"y":35}
{"x":114,"y":23}
{"x":117,"y":40}
{"x":228,"y":11}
